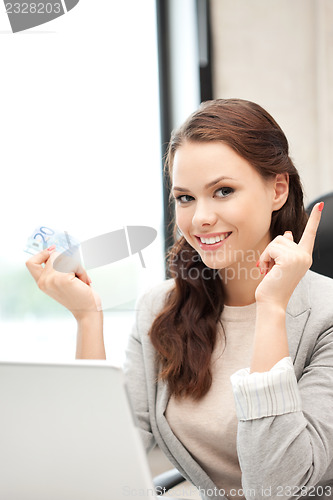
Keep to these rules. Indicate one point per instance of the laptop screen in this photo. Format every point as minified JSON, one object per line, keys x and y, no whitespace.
{"x":67,"y":432}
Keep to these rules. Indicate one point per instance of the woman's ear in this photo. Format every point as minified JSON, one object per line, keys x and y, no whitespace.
{"x":281,"y":190}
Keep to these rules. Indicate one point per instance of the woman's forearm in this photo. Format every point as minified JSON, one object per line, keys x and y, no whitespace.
{"x":270,"y":339}
{"x":90,"y":341}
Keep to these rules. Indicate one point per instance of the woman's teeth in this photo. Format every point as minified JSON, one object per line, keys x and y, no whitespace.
{"x":215,"y":239}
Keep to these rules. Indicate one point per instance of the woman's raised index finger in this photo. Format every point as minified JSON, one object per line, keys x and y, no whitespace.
{"x":309,"y":235}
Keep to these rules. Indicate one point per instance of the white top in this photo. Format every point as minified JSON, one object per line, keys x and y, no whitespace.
{"x":208,"y":427}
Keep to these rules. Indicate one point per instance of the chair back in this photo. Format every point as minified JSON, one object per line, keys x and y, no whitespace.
{"x":323,"y":249}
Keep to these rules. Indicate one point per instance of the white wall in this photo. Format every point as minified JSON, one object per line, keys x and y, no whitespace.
{"x":279,"y":53}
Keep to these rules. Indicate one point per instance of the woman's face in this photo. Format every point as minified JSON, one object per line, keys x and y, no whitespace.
{"x":223,"y":206}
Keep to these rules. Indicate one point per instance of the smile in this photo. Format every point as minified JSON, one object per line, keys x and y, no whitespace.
{"x":213,"y":240}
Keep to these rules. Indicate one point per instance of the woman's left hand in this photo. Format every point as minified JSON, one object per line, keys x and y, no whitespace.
{"x":285,"y":262}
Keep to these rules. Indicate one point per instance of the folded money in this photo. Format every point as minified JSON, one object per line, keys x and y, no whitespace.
{"x":43,"y":237}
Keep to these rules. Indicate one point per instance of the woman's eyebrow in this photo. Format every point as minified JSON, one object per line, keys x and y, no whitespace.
{"x":210,"y":184}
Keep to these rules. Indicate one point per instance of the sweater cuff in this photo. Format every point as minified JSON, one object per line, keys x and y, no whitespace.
{"x":266,"y":394}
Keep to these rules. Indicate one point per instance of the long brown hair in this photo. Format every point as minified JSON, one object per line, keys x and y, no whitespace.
{"x":184,"y":332}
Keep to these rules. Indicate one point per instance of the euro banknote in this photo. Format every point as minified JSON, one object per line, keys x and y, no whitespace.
{"x":43,"y":237}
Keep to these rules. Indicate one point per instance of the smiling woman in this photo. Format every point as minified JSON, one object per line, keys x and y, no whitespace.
{"x":219,"y":207}
{"x":240,"y":264}
{"x":253,"y":194}
{"x":230,"y":363}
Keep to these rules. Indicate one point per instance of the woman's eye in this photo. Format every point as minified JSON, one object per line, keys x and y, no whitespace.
{"x":224,"y":191}
{"x":184,"y":198}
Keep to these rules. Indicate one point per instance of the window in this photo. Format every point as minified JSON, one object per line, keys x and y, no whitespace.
{"x":80,"y":152}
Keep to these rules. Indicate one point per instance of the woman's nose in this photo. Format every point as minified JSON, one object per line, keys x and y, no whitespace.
{"x":204,"y":214}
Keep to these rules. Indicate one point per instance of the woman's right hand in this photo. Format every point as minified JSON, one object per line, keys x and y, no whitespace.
{"x":71,"y":289}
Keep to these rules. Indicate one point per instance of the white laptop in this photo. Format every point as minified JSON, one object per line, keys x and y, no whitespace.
{"x":67,"y":432}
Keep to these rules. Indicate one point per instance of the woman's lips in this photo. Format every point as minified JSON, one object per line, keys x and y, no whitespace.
{"x":211,"y":246}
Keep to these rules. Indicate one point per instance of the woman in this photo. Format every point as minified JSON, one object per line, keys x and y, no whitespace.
{"x":241,"y":295}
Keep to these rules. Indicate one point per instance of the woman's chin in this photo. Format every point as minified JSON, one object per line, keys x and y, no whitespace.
{"x":213,"y":264}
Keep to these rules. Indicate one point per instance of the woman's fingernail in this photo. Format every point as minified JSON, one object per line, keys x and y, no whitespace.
{"x":257,"y":264}
{"x":52,"y":247}
{"x":321,"y":206}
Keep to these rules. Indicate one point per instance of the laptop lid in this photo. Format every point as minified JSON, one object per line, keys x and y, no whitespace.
{"x":67,"y":432}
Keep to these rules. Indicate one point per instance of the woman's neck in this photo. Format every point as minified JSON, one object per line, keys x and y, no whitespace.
{"x":240,"y":283}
